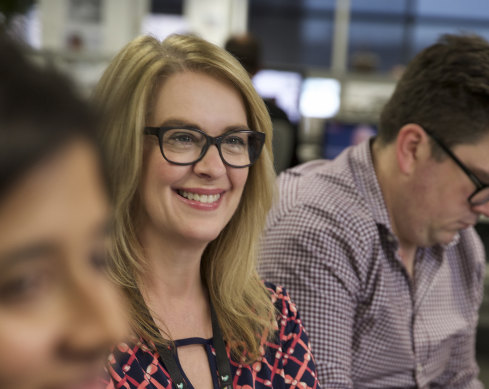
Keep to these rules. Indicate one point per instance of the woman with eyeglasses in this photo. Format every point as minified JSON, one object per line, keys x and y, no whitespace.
{"x":59,"y":312}
{"x":189,"y":147}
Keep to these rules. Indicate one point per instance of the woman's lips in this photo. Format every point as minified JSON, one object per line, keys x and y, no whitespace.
{"x":201,"y":199}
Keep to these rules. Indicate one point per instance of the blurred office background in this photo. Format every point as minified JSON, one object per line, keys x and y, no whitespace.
{"x":329,"y":64}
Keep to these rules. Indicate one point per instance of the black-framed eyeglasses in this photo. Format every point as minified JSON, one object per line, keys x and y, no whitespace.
{"x":184,"y":145}
{"x":481,"y":193}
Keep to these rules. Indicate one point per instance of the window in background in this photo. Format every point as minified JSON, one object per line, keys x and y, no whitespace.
{"x":307,"y":28}
{"x":383,"y":34}
{"x":453,"y":9}
{"x":278,"y":28}
{"x":375,"y":47}
{"x":425,"y":33}
{"x":316,"y":37}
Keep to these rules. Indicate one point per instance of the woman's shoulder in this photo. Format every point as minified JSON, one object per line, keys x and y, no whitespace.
{"x":289,"y":349}
{"x":276,"y":291}
{"x":132,"y":349}
{"x":135,"y":362}
{"x":281,"y":299}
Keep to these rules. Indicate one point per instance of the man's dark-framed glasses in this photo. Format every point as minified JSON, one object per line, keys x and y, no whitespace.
{"x":184,"y":145}
{"x":481,"y":193}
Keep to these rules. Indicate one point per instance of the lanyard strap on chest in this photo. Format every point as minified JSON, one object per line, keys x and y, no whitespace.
{"x":169,"y":358}
{"x":223,"y":367}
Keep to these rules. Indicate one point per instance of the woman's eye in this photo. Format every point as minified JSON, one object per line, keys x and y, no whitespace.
{"x":234,"y":140}
{"x":182,"y":138}
{"x":100,"y":260}
{"x":23,"y":287}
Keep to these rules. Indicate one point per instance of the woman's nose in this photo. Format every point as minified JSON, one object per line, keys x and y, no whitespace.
{"x":211,"y":164}
{"x":97,"y":320}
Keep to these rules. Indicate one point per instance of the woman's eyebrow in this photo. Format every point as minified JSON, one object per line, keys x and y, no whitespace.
{"x":237,"y":127}
{"x":26,"y":253}
{"x":178,"y":122}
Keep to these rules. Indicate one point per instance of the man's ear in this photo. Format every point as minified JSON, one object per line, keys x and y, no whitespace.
{"x":412,"y":145}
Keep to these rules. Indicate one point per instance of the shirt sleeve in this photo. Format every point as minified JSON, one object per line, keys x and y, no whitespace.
{"x":117,"y":359}
{"x":298,"y":361}
{"x":135,"y":365}
{"x":318,"y":263}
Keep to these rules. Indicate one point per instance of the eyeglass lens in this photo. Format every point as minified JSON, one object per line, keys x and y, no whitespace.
{"x":237,"y":148}
{"x":480,"y":196}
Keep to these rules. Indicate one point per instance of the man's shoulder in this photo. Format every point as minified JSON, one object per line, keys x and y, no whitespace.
{"x":307,"y":180}
{"x":295,"y":183}
{"x":322,"y":189}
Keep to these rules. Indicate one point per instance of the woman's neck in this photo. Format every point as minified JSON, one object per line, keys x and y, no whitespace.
{"x":173,"y":289}
{"x":172,"y":264}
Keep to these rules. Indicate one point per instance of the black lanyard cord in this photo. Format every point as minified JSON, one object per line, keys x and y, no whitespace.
{"x":223,"y":367}
{"x":168,"y":357}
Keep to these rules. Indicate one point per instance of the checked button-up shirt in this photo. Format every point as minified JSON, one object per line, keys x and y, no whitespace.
{"x":330,"y":243}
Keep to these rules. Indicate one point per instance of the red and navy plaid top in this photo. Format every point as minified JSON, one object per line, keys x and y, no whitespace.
{"x":286,"y":362}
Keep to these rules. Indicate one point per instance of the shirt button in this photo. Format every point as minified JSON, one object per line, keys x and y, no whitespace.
{"x":419,"y":368}
{"x":390,"y":238}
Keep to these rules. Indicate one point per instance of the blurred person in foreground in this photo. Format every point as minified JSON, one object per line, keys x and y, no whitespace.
{"x":188,"y":142}
{"x":378,"y":246}
{"x":59,"y":312}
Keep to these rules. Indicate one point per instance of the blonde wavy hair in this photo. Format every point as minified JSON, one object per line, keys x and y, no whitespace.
{"x":126,"y":92}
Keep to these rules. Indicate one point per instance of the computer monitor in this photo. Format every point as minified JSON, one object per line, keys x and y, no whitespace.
{"x":338,"y":135}
{"x":284,"y":86}
{"x":320,"y":97}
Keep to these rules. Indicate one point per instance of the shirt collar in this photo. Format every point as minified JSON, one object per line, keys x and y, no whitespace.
{"x":367,"y":182}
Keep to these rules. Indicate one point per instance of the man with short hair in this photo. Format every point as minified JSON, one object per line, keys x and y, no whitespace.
{"x":377,"y":246}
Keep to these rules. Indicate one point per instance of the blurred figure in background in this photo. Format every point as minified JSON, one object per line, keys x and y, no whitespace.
{"x":247,"y":50}
{"x":59,"y":313}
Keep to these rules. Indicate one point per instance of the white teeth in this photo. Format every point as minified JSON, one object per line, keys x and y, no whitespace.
{"x":200,"y":198}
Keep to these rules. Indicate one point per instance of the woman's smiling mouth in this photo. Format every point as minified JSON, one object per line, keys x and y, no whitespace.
{"x":202,"y":198}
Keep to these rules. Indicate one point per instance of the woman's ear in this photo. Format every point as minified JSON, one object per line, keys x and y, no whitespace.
{"x":412,"y":147}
